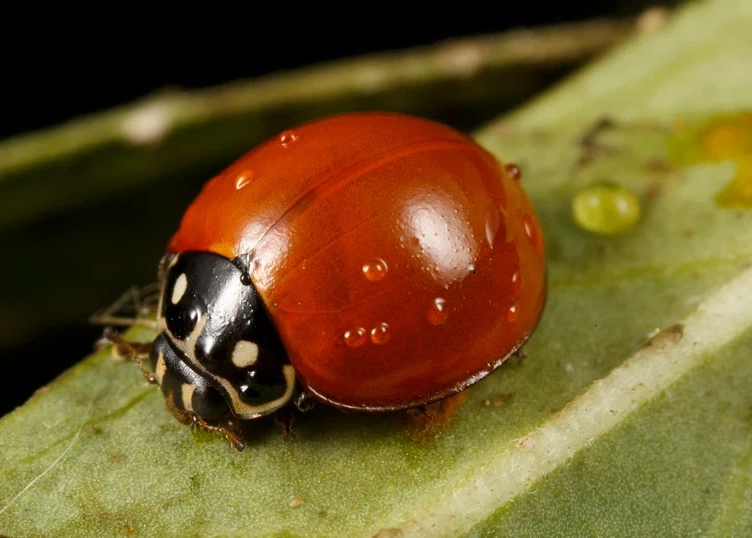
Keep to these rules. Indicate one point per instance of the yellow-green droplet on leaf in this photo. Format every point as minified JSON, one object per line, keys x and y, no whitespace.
{"x":605,"y":208}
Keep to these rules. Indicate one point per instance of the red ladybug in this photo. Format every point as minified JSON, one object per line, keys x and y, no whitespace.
{"x":372,"y":262}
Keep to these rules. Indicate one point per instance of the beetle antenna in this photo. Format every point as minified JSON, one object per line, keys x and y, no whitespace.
{"x":143,"y":302}
{"x":135,"y":350}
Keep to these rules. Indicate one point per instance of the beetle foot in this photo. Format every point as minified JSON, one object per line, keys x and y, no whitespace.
{"x":226,"y":431}
{"x":230,"y":429}
{"x":286,"y":418}
{"x":138,"y":351}
{"x":519,"y":355}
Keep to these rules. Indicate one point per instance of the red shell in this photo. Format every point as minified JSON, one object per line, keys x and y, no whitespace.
{"x":398,"y":259}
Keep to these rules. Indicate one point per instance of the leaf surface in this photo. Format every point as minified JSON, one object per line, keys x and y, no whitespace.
{"x":607,"y":427}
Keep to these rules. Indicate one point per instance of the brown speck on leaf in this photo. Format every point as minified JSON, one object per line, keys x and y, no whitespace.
{"x":654,"y":189}
{"x":658,"y":165}
{"x":525,"y":443}
{"x":129,"y":530}
{"x":96,"y":430}
{"x":430,"y":421}
{"x":295,"y":502}
{"x":389,"y":533}
{"x":590,"y":146}
{"x":116,"y":457}
{"x":659,"y":337}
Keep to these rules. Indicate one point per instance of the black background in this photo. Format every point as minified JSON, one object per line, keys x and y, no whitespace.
{"x":56,"y":69}
{"x":79,"y":67}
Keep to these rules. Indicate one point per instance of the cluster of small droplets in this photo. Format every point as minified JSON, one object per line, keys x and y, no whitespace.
{"x":357,"y":337}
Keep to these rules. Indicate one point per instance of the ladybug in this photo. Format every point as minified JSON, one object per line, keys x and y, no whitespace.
{"x":371,"y":262}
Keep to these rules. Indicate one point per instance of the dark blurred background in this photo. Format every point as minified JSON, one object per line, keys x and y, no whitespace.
{"x":59,"y":268}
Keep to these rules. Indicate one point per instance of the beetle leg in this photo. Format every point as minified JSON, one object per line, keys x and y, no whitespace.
{"x":137,"y":351}
{"x":286,"y":418}
{"x":519,"y":355}
{"x":192,"y":419}
{"x":235,"y":440}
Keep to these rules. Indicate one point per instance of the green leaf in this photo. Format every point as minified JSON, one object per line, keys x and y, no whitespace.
{"x":608,"y":427}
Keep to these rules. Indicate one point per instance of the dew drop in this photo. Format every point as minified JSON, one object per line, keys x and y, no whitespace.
{"x":513,"y":313}
{"x":532,"y":231}
{"x":605,"y":208}
{"x":514,"y":171}
{"x":380,"y":333}
{"x":493,"y":220}
{"x":516,"y":284}
{"x":355,"y":338}
{"x":375,"y":270}
{"x":437,"y":313}
{"x":287,"y":138}
{"x":244,"y":178}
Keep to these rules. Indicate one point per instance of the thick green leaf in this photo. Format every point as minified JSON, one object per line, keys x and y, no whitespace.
{"x":601,"y":430}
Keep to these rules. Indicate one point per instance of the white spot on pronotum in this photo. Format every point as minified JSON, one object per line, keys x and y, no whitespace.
{"x":178,"y":290}
{"x":161,"y":369}
{"x":186,"y":393}
{"x":244,"y":354}
{"x":147,"y":125}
